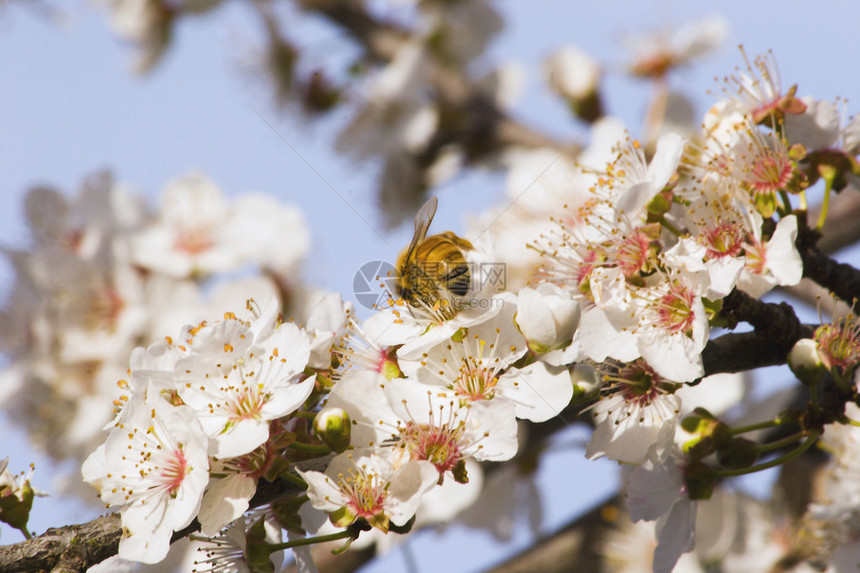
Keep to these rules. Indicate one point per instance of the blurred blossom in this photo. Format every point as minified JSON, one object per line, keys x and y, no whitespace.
{"x":572,"y":73}
{"x":575,"y":76}
{"x":145,"y":24}
{"x":461,"y":31}
{"x":539,"y":184}
{"x":654,"y":55}
{"x":105,"y":274}
{"x":148,"y":24}
{"x":617,"y":258}
{"x":509,"y":493}
{"x":656,"y":492}
{"x":200,"y":232}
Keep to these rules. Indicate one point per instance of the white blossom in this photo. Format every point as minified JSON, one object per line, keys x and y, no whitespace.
{"x":238,"y":376}
{"x":154,"y":465}
{"x":656,"y":492}
{"x":373,"y":487}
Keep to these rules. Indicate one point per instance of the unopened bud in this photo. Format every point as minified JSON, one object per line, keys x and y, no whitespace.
{"x":699,"y":480}
{"x":586,"y":382}
{"x":16,"y":499}
{"x":547,"y":316}
{"x":709,"y":434}
{"x":699,"y":447}
{"x":805,"y":361}
{"x":738,"y":453}
{"x":575,"y":75}
{"x":333,"y":426}
{"x":697,"y":420}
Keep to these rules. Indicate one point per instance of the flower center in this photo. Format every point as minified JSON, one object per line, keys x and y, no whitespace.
{"x":839,"y":343}
{"x":724,"y":240}
{"x":475,"y":382}
{"x":365,"y":491}
{"x":194,"y":241}
{"x":675,"y":310}
{"x":174,"y":471}
{"x":246,"y":403}
{"x":638,"y":383}
{"x":633,"y":254}
{"x":437,"y":445}
{"x":770,"y":171}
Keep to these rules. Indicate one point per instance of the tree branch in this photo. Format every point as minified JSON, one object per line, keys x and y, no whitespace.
{"x":841,"y":279}
{"x":487,"y":128}
{"x":65,"y":549}
{"x":75,"y":548}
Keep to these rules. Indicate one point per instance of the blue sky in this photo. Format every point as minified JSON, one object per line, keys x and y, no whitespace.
{"x":70,"y":105}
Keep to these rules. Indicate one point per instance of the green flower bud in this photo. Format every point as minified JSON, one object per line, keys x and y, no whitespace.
{"x":738,"y":453}
{"x":16,"y":501}
{"x":333,"y":426}
{"x":699,"y":480}
{"x":709,"y":434}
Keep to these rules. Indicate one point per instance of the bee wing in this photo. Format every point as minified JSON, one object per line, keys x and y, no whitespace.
{"x":422,"y":223}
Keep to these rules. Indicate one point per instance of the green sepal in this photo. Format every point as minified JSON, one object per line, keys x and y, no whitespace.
{"x":459,"y":335}
{"x":710,"y":434}
{"x":15,"y":509}
{"x":699,"y":447}
{"x":323,"y":378}
{"x":831,"y":165}
{"x":765,"y":204}
{"x":380,"y":521}
{"x":660,"y":204}
{"x":699,"y":481}
{"x":530,"y":358}
{"x":286,"y":512}
{"x":651,"y":230}
{"x":403,"y":529}
{"x":344,"y":547}
{"x":460,"y":473}
{"x":738,"y":453}
{"x":713,"y":310}
{"x":342,"y":517}
{"x":258,"y":551}
{"x":277,"y":467}
{"x":693,"y":422}
{"x":391,"y":369}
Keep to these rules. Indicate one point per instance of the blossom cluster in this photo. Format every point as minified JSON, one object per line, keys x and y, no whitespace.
{"x":651,"y":254}
{"x":212,"y":393}
{"x":210,"y":413}
{"x":105,"y":273}
{"x":631,"y":281}
{"x":620,"y":267}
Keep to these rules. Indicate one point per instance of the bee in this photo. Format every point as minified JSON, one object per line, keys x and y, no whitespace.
{"x":433,"y":270}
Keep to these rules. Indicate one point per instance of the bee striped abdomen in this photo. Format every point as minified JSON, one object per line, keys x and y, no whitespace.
{"x":432,"y":269}
{"x":443,"y":261}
